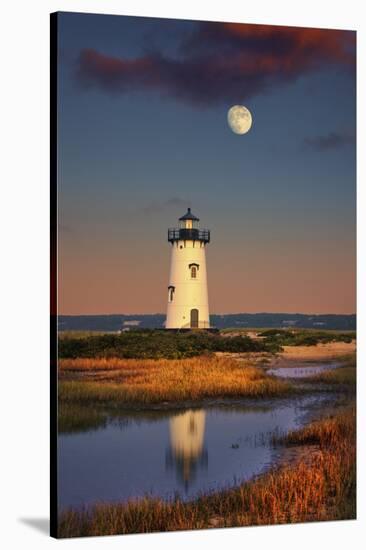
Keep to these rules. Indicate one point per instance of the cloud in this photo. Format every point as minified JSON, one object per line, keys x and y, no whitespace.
{"x":221,"y":62}
{"x":333,"y":140}
{"x":174,"y":202}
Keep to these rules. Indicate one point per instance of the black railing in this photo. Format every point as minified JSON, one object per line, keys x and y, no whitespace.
{"x":175,"y":234}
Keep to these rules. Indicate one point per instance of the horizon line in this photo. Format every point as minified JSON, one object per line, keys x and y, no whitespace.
{"x":219,"y":314}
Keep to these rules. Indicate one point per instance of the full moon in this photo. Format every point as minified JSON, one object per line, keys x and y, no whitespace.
{"x":239,"y":119}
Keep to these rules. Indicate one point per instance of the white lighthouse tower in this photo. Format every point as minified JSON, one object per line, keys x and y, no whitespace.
{"x":187,"y":290}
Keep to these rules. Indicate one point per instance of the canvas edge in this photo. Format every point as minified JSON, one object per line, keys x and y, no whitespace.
{"x":53,"y":276}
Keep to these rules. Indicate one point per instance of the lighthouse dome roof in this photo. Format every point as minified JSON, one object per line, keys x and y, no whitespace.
{"x":189,"y":216}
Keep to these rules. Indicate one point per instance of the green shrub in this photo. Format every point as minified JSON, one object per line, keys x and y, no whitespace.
{"x":305,"y":337}
{"x":157,"y":344}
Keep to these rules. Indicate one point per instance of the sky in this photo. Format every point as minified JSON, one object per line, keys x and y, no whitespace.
{"x":143,"y":134}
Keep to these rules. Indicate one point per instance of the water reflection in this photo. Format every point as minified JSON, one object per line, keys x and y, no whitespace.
{"x":187,"y":452}
{"x":165,"y":455}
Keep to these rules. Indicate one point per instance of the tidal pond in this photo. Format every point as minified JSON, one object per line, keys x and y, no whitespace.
{"x":185,"y":452}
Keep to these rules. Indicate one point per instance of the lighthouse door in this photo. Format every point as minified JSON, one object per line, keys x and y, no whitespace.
{"x":194,"y":318}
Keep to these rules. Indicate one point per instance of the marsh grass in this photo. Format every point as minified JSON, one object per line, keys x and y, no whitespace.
{"x":76,"y":418}
{"x":344,"y":375}
{"x":321,"y":488}
{"x":127,"y":381}
{"x":73,"y":418}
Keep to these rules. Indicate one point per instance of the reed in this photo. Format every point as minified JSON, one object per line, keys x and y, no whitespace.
{"x":319,"y":489}
{"x":127,"y":381}
{"x":344,"y":376}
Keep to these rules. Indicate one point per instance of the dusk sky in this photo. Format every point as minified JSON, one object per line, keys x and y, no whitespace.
{"x":143,"y":134}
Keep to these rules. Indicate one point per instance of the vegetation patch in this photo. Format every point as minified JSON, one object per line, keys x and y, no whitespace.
{"x":73,"y":418}
{"x":76,"y":418}
{"x":344,"y":377}
{"x":280,"y":337}
{"x":158,"y":344}
{"x":130,"y":381}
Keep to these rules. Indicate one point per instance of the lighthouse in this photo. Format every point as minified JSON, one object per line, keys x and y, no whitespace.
{"x":187,"y":289}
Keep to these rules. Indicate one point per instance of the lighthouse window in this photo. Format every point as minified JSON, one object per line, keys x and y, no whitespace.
{"x":194,"y":268}
{"x":171,"y":290}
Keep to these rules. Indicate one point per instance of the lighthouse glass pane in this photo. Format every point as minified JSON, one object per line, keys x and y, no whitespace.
{"x":184,"y":411}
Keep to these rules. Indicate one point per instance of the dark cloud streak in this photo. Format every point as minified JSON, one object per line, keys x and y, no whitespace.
{"x":174,"y":202}
{"x":221,"y":62}
{"x":333,"y":140}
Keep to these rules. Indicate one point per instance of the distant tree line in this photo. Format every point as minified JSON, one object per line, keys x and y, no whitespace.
{"x":234,"y":320}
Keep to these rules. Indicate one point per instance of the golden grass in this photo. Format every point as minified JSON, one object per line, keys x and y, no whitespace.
{"x":110,"y":364}
{"x":320,"y":352}
{"x":344,"y":376}
{"x":73,"y":417}
{"x":152,"y":381}
{"x":322,"y":488}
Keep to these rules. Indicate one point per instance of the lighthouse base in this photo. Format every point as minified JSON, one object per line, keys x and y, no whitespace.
{"x":189,"y":329}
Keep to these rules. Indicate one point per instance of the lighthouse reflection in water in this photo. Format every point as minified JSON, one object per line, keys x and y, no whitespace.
{"x":187,"y":452}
